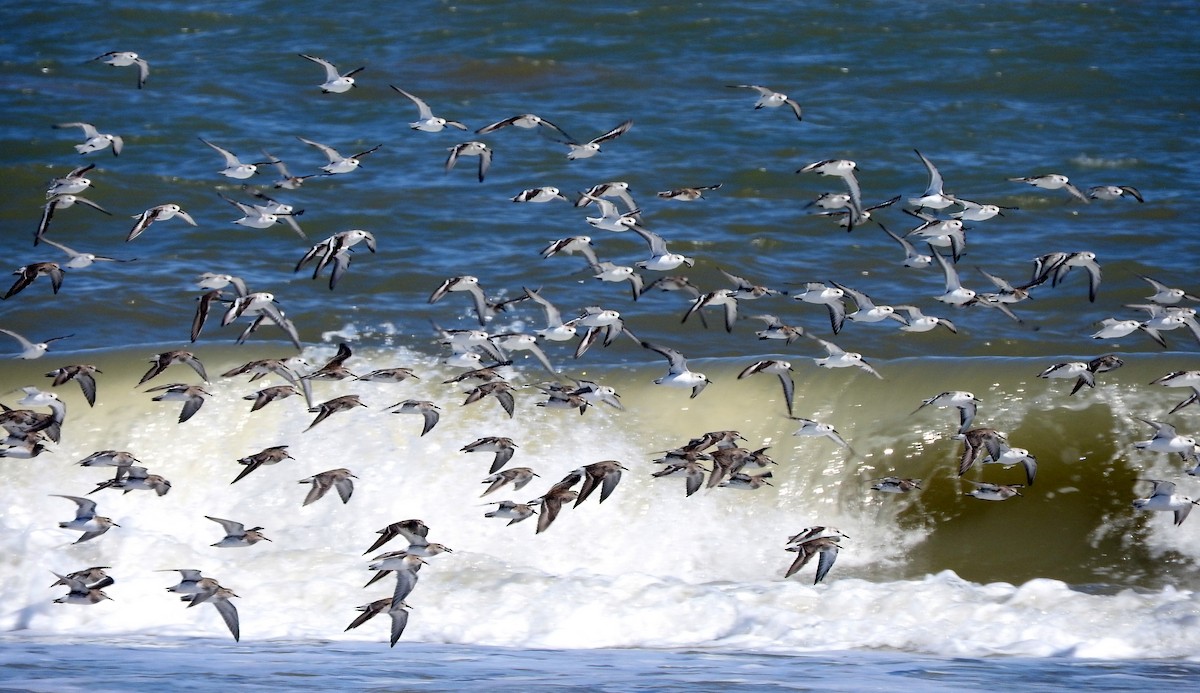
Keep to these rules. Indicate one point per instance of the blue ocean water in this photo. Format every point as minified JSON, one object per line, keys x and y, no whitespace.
{"x":1064,"y":585}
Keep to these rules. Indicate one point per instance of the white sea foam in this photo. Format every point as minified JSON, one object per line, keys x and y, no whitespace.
{"x":648,"y":568}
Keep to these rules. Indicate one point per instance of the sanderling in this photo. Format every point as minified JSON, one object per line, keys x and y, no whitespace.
{"x":335,"y":82}
{"x":895,"y":484}
{"x":429,"y":412}
{"x":585,"y":150}
{"x":398,"y":614}
{"x":499,"y":389}
{"x":30,"y":272}
{"x":1112,"y":192}
{"x":1052,"y":181}
{"x":413,"y":531}
{"x":782,"y":369}
{"x":527,"y":121}
{"x":271,"y":455}
{"x":678,"y":374}
{"x":768,"y":98}
{"x":830,"y":297}
{"x":603,"y":475}
{"x":192,"y":397}
{"x":73,"y":183}
{"x":826,"y":545}
{"x":993,"y":492}
{"x":234,"y":167}
{"x":338,"y":163}
{"x":426,"y":120}
{"x":976,"y":442}
{"x":1163,"y":497}
{"x":689,"y":194}
{"x":512,"y":511}
{"x":866,"y":310}
{"x":57,"y":202}
{"x":472,"y":148}
{"x":341,"y":479}
{"x":839,"y":358}
{"x":519,"y":477}
{"x":80,"y":260}
{"x":933,"y":197}
{"x":553,"y":501}
{"x":723,"y":298}
{"x":919,"y":322}
{"x":542,"y":194}
{"x":1166,"y":295}
{"x":964,"y":401}
{"x":1165,"y":439}
{"x":157,"y":213}
{"x":84,"y":374}
{"x":809,"y":427}
{"x":94,"y":140}
{"x":78,"y":591}
{"x":160,"y":362}
{"x":134,"y":478}
{"x":616,"y":188}
{"x":236,"y":534}
{"x":86,"y":520}
{"x":956,"y":294}
{"x":776,"y":329}
{"x":328,"y":408}
{"x":912,"y":258}
{"x":126,"y":59}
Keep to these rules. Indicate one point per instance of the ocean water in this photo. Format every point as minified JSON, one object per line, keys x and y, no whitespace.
{"x":1065,"y":585}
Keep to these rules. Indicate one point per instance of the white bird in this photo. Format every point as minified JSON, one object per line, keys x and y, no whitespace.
{"x":919,"y":322}
{"x":236,"y":534}
{"x":472,"y":148}
{"x":782,"y":369}
{"x":1163,"y":497}
{"x":933,"y":197}
{"x":32,"y":350}
{"x":192,"y":397}
{"x":73,"y":183}
{"x":1166,"y":295}
{"x":964,"y":401}
{"x":542,"y":194}
{"x":338,"y":163}
{"x":157,"y":213}
{"x":1112,"y":192}
{"x":426,"y":120}
{"x":809,"y":427}
{"x":768,"y":98}
{"x":125,"y":59}
{"x":527,"y":121}
{"x":830,"y":297}
{"x":911,"y":257}
{"x":611,"y":218}
{"x":94,"y":140}
{"x":591,"y":148}
{"x":678,"y":374}
{"x":335,"y":82}
{"x":86,"y":520}
{"x":234,"y":167}
{"x":61,"y":203}
{"x":956,"y":294}
{"x":844,"y":169}
{"x":839,"y":358}
{"x":993,"y":492}
{"x":661,"y":259}
{"x":1053,"y":181}
{"x":1165,"y":439}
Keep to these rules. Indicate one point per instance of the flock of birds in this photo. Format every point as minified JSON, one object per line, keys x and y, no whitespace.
{"x":486,"y":359}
